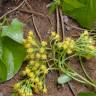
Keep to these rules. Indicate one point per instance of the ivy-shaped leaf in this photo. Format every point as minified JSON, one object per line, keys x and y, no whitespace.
{"x":14,"y":31}
{"x":12,"y":52}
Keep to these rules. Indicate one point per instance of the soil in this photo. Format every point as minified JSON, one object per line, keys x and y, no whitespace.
{"x":43,"y":25}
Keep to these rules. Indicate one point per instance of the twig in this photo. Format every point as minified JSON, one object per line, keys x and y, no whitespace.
{"x":71,"y":89}
{"x":27,"y":4}
{"x":27,"y":19}
{"x":48,"y":5}
{"x":75,"y":27}
{"x":32,"y":12}
{"x":36,"y":28}
{"x":12,"y":10}
{"x":62,"y":24}
{"x":36,"y":13}
{"x":15,"y":79}
{"x":57,"y":20}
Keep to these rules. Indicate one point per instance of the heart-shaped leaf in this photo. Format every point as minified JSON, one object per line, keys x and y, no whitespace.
{"x":62,"y":79}
{"x":12,"y":51}
{"x":14,"y":31}
{"x":86,"y":94}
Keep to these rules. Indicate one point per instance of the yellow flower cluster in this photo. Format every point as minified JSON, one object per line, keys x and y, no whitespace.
{"x":36,"y":70}
{"x":85,"y":45}
{"x":22,"y":90}
{"x":35,"y":73}
{"x":68,"y":45}
{"x":55,"y":36}
{"x":29,"y":44}
{"x":86,"y":38}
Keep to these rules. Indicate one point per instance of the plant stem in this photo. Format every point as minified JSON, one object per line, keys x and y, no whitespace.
{"x":73,"y":75}
{"x":87,"y":76}
{"x":70,"y":57}
{"x":53,"y":69}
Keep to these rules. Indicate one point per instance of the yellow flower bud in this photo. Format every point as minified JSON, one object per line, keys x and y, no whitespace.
{"x":43,"y":43}
{"x":32,"y":62}
{"x":60,"y":45}
{"x":34,"y":42}
{"x":69,"y":51}
{"x":36,"y":72}
{"x":23,"y":73}
{"x":38,"y":55}
{"x":27,"y":70}
{"x":64,"y":46}
{"x":20,"y":91}
{"x":57,"y":37}
{"x":91,"y":47}
{"x":36,"y":79}
{"x":27,"y":45}
{"x":30,"y":50}
{"x":37,"y":64}
{"x":32,"y":56}
{"x":40,"y":84}
{"x":44,"y":90}
{"x":45,"y":71}
{"x":29,"y":39}
{"x":17,"y":86}
{"x":86,"y":33}
{"x":42,"y":50}
{"x":68,"y":39}
{"x":53,"y":34}
{"x":71,"y":46}
{"x":31,"y":75}
{"x":91,"y":41}
{"x":43,"y":67}
{"x":44,"y":56}
{"x":30,"y":33}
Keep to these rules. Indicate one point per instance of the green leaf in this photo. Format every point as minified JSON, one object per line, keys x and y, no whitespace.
{"x":63,"y":79}
{"x":86,"y":94}
{"x":52,"y":7}
{"x":85,"y":15}
{"x":70,"y":5}
{"x":13,"y":55}
{"x":14,"y":31}
{"x":3,"y":72}
{"x":12,"y":51}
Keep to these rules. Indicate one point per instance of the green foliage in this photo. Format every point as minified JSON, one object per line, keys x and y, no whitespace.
{"x":62,"y":79}
{"x":33,"y":76}
{"x":87,"y":94}
{"x":81,"y":10}
{"x":62,"y":51}
{"x":12,"y":52}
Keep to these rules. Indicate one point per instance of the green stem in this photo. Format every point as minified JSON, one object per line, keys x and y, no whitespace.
{"x":53,"y":69}
{"x":70,"y":57}
{"x":87,"y":76}
{"x":82,"y":78}
{"x":70,"y":75}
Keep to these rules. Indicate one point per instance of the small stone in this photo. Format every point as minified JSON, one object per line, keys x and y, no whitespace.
{"x":65,"y":18}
